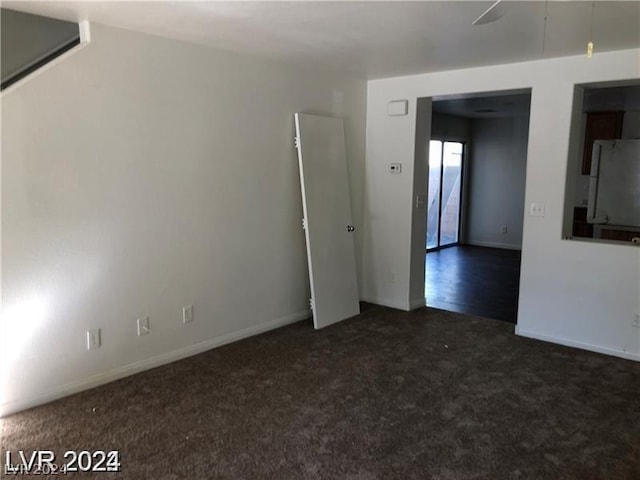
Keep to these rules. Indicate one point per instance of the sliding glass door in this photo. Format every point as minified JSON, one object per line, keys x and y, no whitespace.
{"x":445,"y":193}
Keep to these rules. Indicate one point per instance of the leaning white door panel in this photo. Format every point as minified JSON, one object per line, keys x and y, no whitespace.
{"x":327,"y":212}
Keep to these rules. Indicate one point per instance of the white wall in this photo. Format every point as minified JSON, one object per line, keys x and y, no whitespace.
{"x":497,"y":164}
{"x":576,"y":293}
{"x":140,"y":175}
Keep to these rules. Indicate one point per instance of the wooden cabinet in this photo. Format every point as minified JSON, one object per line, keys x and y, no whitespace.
{"x":599,"y":126}
{"x":620,"y":235}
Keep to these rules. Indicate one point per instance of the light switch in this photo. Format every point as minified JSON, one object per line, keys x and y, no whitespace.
{"x":395,"y":167}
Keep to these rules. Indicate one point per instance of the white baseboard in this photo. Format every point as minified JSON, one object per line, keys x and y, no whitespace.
{"x":583,"y":346}
{"x":146,"y":364}
{"x":507,"y":246}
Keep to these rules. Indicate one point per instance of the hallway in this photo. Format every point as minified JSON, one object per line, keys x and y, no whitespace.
{"x":475,"y":280}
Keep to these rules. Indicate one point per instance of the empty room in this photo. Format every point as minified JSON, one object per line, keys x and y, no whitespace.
{"x":214,"y":224}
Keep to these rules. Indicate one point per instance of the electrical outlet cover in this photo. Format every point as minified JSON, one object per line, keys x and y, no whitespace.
{"x":187,"y":314}
{"x":93,"y":339}
{"x":144,"y":327}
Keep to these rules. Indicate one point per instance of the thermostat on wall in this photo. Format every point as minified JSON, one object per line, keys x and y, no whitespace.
{"x":395,"y":167}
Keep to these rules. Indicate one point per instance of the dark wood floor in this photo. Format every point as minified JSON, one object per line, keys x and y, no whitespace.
{"x":476,"y":280}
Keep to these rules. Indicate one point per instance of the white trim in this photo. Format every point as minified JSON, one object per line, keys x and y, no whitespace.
{"x":146,"y":364}
{"x":85,"y":39}
{"x":85,"y":31}
{"x":583,"y":346}
{"x":507,"y":246}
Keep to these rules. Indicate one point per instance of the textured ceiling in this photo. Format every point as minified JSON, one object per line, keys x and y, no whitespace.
{"x":371,"y":39}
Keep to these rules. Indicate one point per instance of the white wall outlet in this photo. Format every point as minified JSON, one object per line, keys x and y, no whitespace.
{"x":503,"y":229}
{"x":636,"y":321}
{"x":144,"y":328}
{"x":536,"y":209}
{"x":93,"y":339}
{"x":187,"y":314}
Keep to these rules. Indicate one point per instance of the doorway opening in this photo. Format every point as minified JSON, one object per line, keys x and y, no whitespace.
{"x":476,"y":180}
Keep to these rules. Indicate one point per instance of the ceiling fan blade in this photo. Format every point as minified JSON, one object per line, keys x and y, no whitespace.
{"x":491,"y":14}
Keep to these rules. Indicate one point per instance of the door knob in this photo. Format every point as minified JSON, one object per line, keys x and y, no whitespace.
{"x":350,"y":228}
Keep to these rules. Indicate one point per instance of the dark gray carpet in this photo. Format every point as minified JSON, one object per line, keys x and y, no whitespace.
{"x":385,"y":395}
